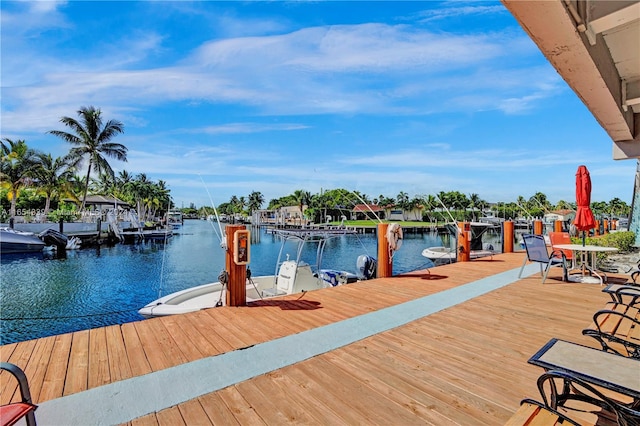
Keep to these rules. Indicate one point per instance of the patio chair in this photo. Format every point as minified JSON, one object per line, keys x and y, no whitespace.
{"x":556,"y":238}
{"x":579,"y":400}
{"x":11,"y":413}
{"x":617,"y":329}
{"x":537,"y":252}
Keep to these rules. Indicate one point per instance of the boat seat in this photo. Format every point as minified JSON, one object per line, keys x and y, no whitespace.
{"x":272,"y":292}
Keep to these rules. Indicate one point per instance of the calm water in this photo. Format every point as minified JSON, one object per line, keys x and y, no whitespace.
{"x":42,"y":295}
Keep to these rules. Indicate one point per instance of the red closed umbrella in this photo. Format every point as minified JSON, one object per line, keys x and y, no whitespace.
{"x":584,"y":216}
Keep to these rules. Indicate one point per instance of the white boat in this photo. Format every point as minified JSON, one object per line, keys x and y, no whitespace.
{"x":293,"y":276}
{"x":440,"y":255}
{"x":175,"y":219}
{"x":12,"y":241}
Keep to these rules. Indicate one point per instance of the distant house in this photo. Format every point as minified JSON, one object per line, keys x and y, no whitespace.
{"x":565,"y":215}
{"x":102,"y":202}
{"x":397,"y":213}
{"x":367,"y":211}
{"x":285,"y":215}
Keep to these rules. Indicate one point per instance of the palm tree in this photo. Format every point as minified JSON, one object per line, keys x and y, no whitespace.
{"x":53,"y":177}
{"x":255,"y":201}
{"x":17,"y":163}
{"x":92,"y":140}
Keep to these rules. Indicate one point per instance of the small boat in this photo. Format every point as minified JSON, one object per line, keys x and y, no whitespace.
{"x":12,"y":241}
{"x":440,"y":255}
{"x":175,"y":219}
{"x":292,"y":276}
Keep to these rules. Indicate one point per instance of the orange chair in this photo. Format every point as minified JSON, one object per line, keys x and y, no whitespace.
{"x":556,"y":238}
{"x":11,"y":413}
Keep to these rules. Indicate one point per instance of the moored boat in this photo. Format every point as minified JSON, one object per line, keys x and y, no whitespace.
{"x":292,"y":276}
{"x":12,"y":241}
{"x":440,"y":255}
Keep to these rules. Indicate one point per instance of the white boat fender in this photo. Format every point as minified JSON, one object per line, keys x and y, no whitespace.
{"x":394,"y":236}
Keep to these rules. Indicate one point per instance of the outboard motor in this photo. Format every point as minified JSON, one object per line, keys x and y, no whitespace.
{"x":366,"y":267}
{"x":51,"y":237}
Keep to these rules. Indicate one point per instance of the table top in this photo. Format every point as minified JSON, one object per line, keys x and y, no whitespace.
{"x":580,"y":247}
{"x":615,"y":372}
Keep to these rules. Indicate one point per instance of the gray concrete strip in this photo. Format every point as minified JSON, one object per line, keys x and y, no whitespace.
{"x":126,"y":400}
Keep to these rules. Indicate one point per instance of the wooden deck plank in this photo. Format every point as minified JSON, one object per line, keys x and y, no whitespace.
{"x":38,"y":364}
{"x":207,"y":328}
{"x":170,"y":417}
{"x":241,"y":409}
{"x":380,"y":376}
{"x":54,"y":380}
{"x":193,"y":413}
{"x":78,"y":373}
{"x":158,"y":345}
{"x":19,"y":355}
{"x":98,"y":358}
{"x":148,"y":420}
{"x":174,"y":326}
{"x":136,"y":356}
{"x":286,"y":389}
{"x":216,"y":410}
{"x":225,"y":329}
{"x":119,"y":367}
{"x":273,"y":405}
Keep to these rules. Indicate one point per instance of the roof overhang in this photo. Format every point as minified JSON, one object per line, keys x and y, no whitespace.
{"x":594,"y":46}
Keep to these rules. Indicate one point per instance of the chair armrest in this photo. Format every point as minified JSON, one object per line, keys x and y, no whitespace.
{"x":21,"y":378}
{"x":627,"y":290}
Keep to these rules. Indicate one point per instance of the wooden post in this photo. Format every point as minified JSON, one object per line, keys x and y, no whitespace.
{"x":557,"y":226}
{"x":237,"y":287}
{"x":385,"y":263}
{"x":537,"y":227}
{"x":507,"y":236}
{"x":464,"y":242}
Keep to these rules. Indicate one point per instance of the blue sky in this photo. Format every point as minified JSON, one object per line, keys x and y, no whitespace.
{"x":226,"y":98}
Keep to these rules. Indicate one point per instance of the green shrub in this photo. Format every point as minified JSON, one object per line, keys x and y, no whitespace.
{"x":623,"y":241}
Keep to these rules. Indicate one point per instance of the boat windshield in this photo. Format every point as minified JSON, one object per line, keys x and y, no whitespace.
{"x":303,"y":236}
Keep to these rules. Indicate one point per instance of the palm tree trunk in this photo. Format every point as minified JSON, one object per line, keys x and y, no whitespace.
{"x":14,"y":202}
{"x":86,"y":187}
{"x":47,"y":205}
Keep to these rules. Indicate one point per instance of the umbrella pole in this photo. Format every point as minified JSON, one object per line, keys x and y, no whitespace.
{"x":584,"y":239}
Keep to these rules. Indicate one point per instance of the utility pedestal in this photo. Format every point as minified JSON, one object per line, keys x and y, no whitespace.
{"x":237,"y":287}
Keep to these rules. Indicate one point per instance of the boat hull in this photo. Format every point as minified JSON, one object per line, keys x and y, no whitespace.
{"x":19,"y":242}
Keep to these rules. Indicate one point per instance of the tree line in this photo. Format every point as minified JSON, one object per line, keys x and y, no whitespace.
{"x":34,"y":180}
{"x":443,"y":206}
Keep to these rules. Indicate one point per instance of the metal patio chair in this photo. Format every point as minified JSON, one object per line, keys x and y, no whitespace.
{"x":11,"y":413}
{"x":536,"y":249}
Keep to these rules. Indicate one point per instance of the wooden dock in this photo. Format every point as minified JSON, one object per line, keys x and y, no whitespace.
{"x":466,"y":364}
